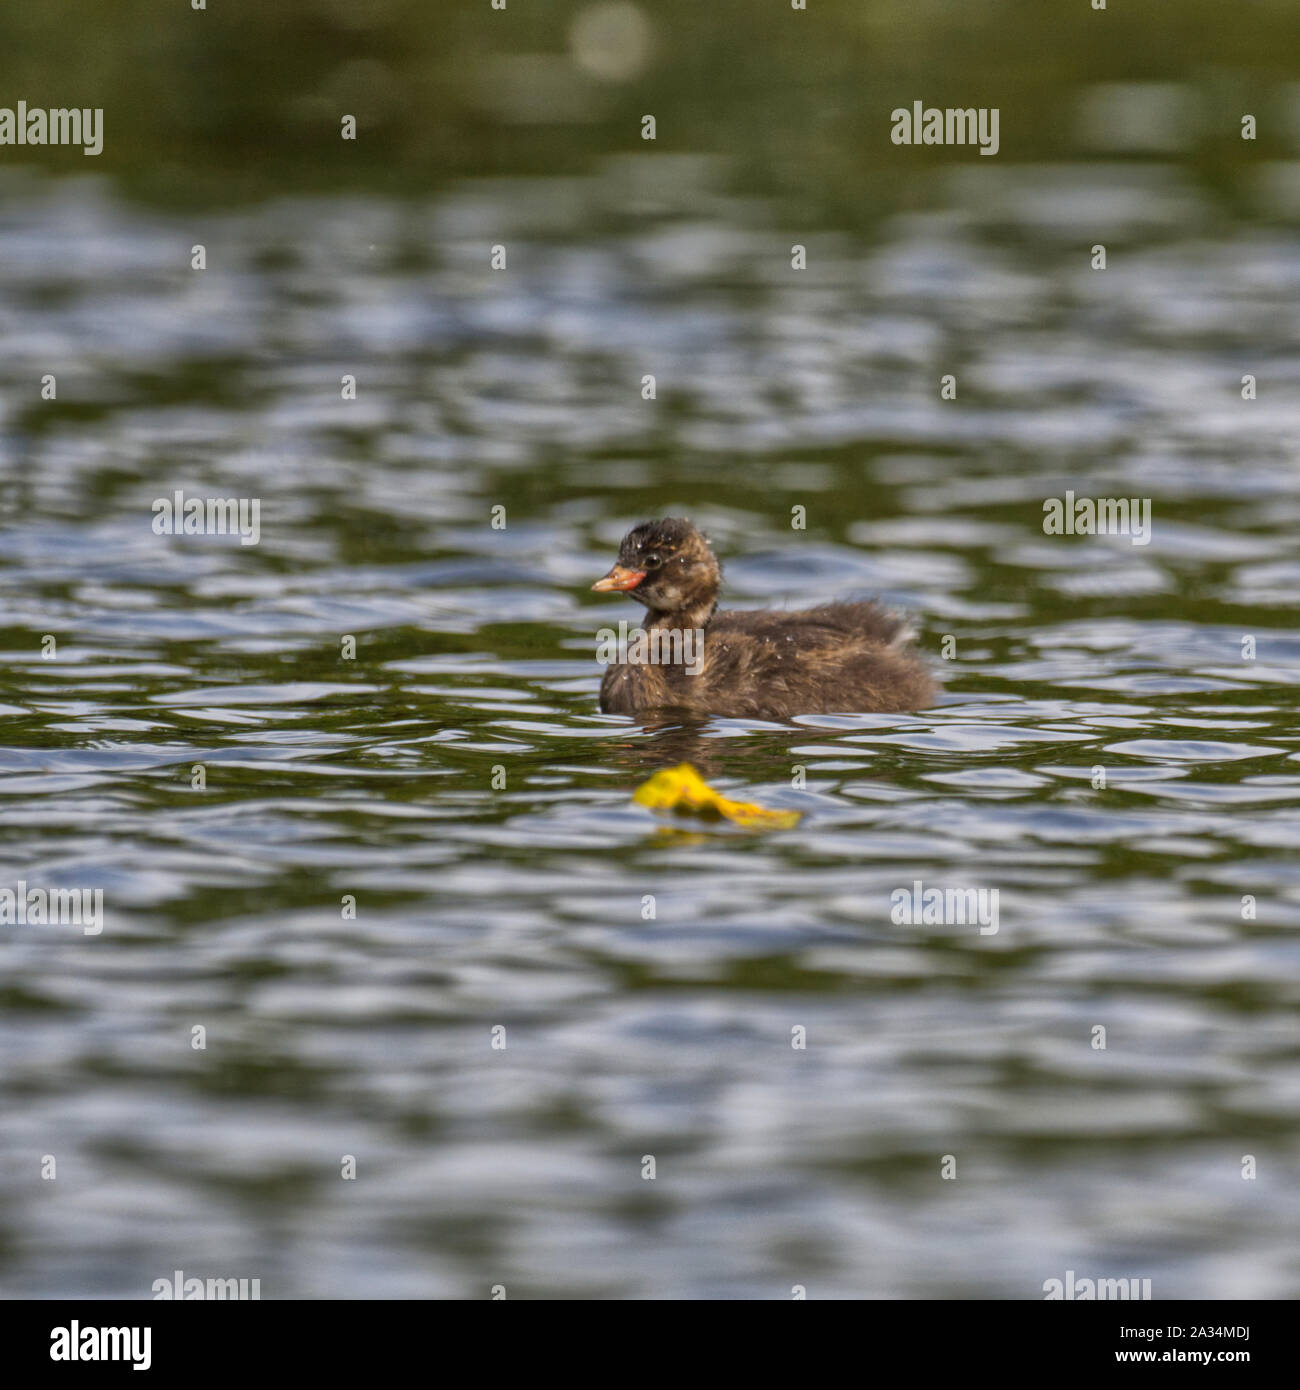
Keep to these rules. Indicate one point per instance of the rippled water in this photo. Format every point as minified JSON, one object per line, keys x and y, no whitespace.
{"x":522,"y":906}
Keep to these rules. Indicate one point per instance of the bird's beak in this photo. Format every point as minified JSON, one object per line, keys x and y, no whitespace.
{"x":619,"y":580}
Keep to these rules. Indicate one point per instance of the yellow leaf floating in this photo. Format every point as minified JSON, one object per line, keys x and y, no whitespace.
{"x":683,"y":790}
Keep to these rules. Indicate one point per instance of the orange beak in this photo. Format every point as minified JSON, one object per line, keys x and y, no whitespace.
{"x":619,"y":580}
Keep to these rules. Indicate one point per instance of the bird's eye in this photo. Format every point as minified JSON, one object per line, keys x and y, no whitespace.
{"x":650,"y":561}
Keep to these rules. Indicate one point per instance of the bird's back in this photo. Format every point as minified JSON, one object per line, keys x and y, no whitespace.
{"x":830,"y":624}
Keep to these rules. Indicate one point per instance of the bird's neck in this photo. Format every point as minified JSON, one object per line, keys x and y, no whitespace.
{"x":684,"y":618}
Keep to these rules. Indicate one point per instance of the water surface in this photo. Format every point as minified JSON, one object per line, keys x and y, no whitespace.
{"x":457,"y":779}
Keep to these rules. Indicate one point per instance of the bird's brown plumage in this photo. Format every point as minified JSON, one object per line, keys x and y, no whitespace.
{"x":837,"y":658}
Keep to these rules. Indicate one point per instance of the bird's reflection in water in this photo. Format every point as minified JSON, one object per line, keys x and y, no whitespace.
{"x":671,"y":737}
{"x":665,"y":740}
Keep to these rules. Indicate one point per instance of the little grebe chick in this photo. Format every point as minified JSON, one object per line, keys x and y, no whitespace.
{"x":840,"y":658}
